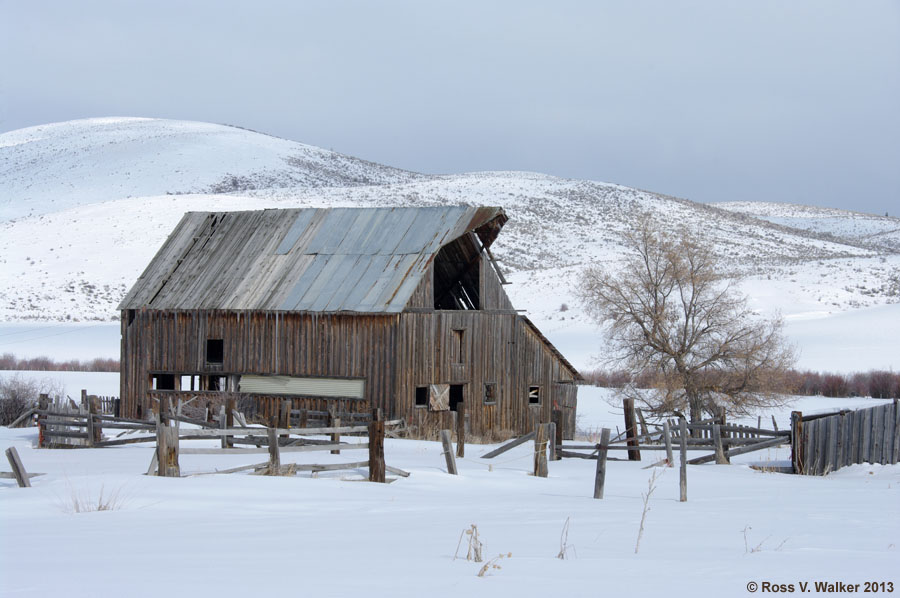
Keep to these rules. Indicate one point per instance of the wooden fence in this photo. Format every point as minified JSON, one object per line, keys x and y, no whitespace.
{"x":825,"y":443}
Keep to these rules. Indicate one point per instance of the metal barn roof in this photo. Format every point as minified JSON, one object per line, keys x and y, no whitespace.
{"x":367,"y":260}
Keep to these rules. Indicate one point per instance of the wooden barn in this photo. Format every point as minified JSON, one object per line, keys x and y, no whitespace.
{"x":344,"y":309}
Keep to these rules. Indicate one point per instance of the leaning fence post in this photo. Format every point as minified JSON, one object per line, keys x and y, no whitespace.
{"x":449,"y":455}
{"x":670,"y":460}
{"x":540,"y":450}
{"x":17,"y":468}
{"x":682,"y":437}
{"x":600,"y":474}
{"x":376,"y":447}
{"x":96,"y":423}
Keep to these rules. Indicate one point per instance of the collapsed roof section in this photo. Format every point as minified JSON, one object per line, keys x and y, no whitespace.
{"x":364,"y":260}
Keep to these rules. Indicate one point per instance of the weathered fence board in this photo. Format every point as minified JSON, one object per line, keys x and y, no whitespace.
{"x":825,"y":443}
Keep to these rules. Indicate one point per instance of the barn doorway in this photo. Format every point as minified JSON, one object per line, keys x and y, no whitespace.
{"x":457,"y":392}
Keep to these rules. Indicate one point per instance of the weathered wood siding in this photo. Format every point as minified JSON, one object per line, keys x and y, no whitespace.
{"x":498,"y":348}
{"x":290,"y":344}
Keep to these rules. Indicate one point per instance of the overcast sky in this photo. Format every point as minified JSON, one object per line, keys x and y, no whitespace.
{"x":786,"y":100}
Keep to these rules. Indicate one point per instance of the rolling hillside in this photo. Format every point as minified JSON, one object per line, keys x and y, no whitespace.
{"x":85,"y":205}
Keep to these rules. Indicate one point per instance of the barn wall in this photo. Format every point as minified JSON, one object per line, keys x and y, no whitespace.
{"x":258,"y":343}
{"x":498,"y":348}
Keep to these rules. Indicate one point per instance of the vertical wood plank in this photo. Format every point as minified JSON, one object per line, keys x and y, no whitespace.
{"x":682,"y":436}
{"x":631,"y":430}
{"x":600,"y":473}
{"x":335,"y":422}
{"x":670,"y":460}
{"x":540,"y":450}
{"x":895,"y":457}
{"x":274,"y":451}
{"x":461,"y":429}
{"x":376,"y":447}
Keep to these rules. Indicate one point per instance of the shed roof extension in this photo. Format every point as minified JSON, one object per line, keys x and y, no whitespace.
{"x":366,"y":260}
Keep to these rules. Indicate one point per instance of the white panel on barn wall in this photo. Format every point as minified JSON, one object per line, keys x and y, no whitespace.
{"x":317,"y":387}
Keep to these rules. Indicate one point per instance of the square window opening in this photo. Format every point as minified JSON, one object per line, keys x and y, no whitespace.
{"x":490,"y":393}
{"x":215,"y":350}
{"x":456,"y":396}
{"x":534,"y":395}
{"x":163,"y":382}
{"x":421,"y":396}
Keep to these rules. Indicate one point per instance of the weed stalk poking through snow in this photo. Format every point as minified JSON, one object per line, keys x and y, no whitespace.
{"x":564,"y":545}
{"x":475,"y":545}
{"x":651,"y":486}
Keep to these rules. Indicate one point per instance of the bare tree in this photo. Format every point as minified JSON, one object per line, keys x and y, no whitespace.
{"x":673,"y":314}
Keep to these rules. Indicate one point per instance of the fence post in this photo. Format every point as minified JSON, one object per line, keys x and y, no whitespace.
{"x":230,"y":406}
{"x":223,"y":423}
{"x":557,"y":418}
{"x":96,"y":428}
{"x":721,"y":459}
{"x":334,"y":422}
{"x":461,"y":429}
{"x":551,"y":441}
{"x":43,"y":405}
{"x":274,"y":453}
{"x":17,"y":468}
{"x":540,"y":450}
{"x":166,"y":443}
{"x":670,"y":460}
{"x":600,"y":474}
{"x":631,"y":430}
{"x":449,"y":455}
{"x":798,"y":461}
{"x":376,"y":447}
{"x":682,"y":434}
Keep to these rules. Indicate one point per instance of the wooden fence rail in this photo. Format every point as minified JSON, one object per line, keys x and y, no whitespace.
{"x":826,"y":442}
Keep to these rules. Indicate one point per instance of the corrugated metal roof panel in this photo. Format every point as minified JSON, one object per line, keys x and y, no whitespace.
{"x":339,"y":259}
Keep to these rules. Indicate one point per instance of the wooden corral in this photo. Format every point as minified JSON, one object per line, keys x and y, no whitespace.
{"x":401,"y":309}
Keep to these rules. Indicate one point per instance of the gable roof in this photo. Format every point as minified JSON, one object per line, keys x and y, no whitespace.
{"x":366,"y":260}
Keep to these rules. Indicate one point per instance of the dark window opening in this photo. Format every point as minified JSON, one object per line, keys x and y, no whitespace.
{"x":421,"y":396}
{"x":457,"y":272}
{"x":216,"y":383}
{"x":459,"y":346}
{"x":163,"y":382}
{"x":456,"y":396}
{"x":534,"y":395}
{"x":129,"y":314}
{"x":490,"y":393}
{"x":215,"y":350}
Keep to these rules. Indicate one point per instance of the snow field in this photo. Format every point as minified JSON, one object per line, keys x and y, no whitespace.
{"x":232,"y":534}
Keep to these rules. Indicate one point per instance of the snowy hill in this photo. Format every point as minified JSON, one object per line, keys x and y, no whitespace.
{"x":53,"y":167}
{"x":87,"y":203}
{"x":877,"y":232}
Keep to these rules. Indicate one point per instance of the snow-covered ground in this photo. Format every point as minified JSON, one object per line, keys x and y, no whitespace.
{"x":330,"y":535}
